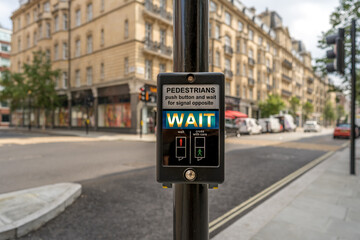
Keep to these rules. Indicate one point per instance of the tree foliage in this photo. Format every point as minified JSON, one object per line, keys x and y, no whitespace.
{"x":340,"y":112}
{"x":308,"y":108}
{"x":273,"y":105}
{"x":329,"y":113}
{"x":14,"y":89}
{"x":294,"y":105}
{"x":340,"y":18}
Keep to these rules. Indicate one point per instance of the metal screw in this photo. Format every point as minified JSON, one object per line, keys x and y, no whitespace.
{"x":190,"y":175}
{"x":191,"y":78}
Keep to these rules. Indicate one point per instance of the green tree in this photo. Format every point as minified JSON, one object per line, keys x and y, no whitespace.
{"x":273,"y":105}
{"x":14,"y":89}
{"x":340,"y":112}
{"x":294,"y":105}
{"x":329,"y":113}
{"x":340,"y":18}
{"x":308,"y":109}
{"x":41,"y":80}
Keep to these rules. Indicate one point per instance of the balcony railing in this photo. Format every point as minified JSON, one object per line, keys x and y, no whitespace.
{"x":251,"y":81}
{"x":310,"y":80}
{"x":251,"y":61}
{"x":298,"y":84}
{"x":286,"y":78}
{"x":285,"y":93}
{"x":269,"y":70}
{"x":158,"y":11}
{"x":228,"y":73}
{"x":309,"y":90}
{"x":228,"y":50}
{"x":286,"y":63}
{"x":269,"y":87}
{"x":158,"y":48}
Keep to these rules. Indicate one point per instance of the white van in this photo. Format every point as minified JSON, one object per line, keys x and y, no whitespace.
{"x":270,"y":125}
{"x":249,"y":126}
{"x":287,"y":121}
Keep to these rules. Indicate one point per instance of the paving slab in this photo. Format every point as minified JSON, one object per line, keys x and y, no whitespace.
{"x":27,"y":210}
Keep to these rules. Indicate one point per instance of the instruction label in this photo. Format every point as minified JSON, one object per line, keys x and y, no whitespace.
{"x":194,"y":96}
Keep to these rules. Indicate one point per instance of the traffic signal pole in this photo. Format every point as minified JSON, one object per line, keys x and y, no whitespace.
{"x":191,"y":55}
{"x":353,"y":96}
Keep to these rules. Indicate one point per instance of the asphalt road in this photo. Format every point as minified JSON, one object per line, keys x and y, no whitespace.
{"x":121,"y":199}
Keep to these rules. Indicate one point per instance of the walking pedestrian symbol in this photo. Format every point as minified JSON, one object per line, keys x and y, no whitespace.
{"x":199,"y":148}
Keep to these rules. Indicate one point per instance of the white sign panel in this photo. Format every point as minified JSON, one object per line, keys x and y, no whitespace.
{"x":194,"y":96}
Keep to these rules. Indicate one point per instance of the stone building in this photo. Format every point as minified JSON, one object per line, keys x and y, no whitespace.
{"x":108,"y":49}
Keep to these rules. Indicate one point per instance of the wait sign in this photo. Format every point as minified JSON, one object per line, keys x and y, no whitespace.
{"x":190,"y":130}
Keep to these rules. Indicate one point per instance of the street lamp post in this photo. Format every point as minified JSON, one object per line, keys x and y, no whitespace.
{"x":29,"y":96}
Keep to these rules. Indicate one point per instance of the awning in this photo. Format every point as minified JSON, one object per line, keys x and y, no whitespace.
{"x":235,"y":114}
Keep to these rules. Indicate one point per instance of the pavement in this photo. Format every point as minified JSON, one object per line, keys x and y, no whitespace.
{"x":324,"y":203}
{"x":24,"y":211}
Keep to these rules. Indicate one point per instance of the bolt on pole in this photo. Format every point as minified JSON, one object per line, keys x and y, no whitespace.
{"x":191,"y":55}
{"x":353,"y":96}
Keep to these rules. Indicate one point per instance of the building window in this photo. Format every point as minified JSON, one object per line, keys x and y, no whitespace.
{"x":126,"y":29}
{"x":40,"y":31}
{"x":89,"y":44}
{"x":89,"y":76}
{"x":162,"y":37}
{"x":213,"y":6}
{"x":148,"y":69}
{"x":148,"y":32}
{"x":258,"y":95}
{"x":251,"y":73}
{"x":102,"y":37}
{"x":27,"y":18}
{"x":47,"y":54}
{"x":56,"y":23}
{"x":244,"y":92}
{"x":57,"y":81}
{"x":217,"y":59}
{"x":251,"y":93}
{"x":19,"y":44}
{"x":227,"y":64}
{"x":258,"y":77}
{"x":268,"y":46}
{"x":89,"y":12}
{"x":251,"y":35}
{"x":244,"y":69}
{"x":47,"y":7}
{"x":28,"y":41}
{"x":227,"y":88}
{"x":260,"y":40}
{"x":56,"y":52}
{"x":251,"y":53}
{"x":162,"y":67}
{"x":77,"y":78}
{"x":102,"y":71}
{"x":217,"y":32}
{"x":244,"y":48}
{"x":126,"y":65}
{"x":78,"y":18}
{"x":259,"y":57}
{"x":237,"y":90}
{"x":77,"y":48}
{"x":19,"y":23}
{"x":238,"y":45}
{"x":240,"y":26}
{"x":35,"y":38}
{"x":65,"y":21}
{"x":65,"y":51}
{"x":210,"y":30}
{"x":35,"y":14}
{"x":5,"y":48}
{"x":64,"y":79}
{"x":227,"y":41}
{"x":227,"y":18}
{"x":238,"y":68}
{"x":102,"y":5}
{"x":48,"y":30}
{"x":19,"y":66}
{"x":163,"y":4}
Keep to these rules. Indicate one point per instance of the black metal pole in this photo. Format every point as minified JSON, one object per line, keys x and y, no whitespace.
{"x":191,"y":50}
{"x":29,"y":127}
{"x":353,"y":96}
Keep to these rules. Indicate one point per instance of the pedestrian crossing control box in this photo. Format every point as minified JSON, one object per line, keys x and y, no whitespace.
{"x":190,"y":128}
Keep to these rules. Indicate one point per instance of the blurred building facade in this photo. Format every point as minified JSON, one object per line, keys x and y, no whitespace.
{"x":5,"y":48}
{"x":108,"y":49}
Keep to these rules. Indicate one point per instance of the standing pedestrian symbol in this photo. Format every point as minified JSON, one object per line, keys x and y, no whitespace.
{"x":199,"y":148}
{"x":180,"y":148}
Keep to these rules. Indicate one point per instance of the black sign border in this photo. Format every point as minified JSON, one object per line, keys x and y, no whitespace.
{"x":175,"y":174}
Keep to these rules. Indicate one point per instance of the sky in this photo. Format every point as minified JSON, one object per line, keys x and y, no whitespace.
{"x":306,"y":19}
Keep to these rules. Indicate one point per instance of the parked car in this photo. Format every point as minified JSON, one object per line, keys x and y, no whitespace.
{"x":287,"y":121}
{"x":270,"y":125}
{"x":311,"y":126}
{"x":344,"y":131}
{"x":249,"y":126}
{"x":231,"y":128}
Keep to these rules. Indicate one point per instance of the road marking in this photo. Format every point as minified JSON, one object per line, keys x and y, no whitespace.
{"x":265,"y":193}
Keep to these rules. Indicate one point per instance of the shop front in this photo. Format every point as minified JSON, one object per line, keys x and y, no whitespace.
{"x":148,"y":111}
{"x":232,"y":103}
{"x":81,"y":109}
